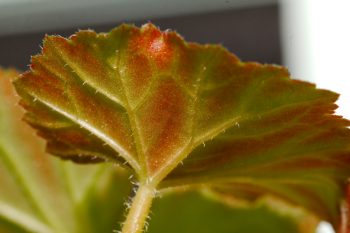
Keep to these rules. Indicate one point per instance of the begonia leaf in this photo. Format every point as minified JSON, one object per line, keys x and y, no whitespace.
{"x":184,"y":114}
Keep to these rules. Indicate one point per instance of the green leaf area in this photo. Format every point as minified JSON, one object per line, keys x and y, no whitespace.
{"x":181,"y":114}
{"x":43,"y":194}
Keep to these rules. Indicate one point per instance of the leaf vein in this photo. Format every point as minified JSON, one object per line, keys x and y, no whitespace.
{"x":122,"y":152}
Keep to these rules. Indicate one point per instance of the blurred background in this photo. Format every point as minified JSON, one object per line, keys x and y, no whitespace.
{"x":310,"y":37}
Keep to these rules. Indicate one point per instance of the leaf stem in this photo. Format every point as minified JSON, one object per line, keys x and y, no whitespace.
{"x":141,"y":204}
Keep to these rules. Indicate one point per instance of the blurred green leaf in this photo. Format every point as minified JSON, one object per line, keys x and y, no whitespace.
{"x":192,"y":212}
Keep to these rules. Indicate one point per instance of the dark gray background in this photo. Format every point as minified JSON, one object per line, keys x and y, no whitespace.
{"x":251,"y":33}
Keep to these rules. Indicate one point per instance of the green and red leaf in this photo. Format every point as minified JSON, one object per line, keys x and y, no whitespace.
{"x":184,"y":114}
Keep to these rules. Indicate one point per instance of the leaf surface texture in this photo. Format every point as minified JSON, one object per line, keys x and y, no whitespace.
{"x":42,"y":194}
